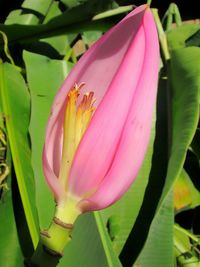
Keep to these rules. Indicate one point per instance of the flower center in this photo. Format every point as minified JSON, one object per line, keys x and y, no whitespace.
{"x":76,"y":121}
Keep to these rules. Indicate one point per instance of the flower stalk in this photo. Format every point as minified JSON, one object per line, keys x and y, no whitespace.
{"x":54,"y":239}
{"x":162,"y":35}
{"x":186,"y":253}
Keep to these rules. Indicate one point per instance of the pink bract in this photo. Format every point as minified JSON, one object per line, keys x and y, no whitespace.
{"x":121,"y":68}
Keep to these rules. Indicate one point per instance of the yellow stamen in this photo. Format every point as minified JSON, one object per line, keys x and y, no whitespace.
{"x":76,"y":122}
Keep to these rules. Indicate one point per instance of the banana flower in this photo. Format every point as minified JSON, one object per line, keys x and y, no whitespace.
{"x":100,"y":122}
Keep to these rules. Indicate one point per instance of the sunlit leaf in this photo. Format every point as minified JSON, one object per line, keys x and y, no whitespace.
{"x":69,"y":21}
{"x":185,"y":80}
{"x":194,"y":40}
{"x":16,"y":108}
{"x":185,"y":194}
{"x":90,"y":37}
{"x":60,"y":43}
{"x":17,"y":17}
{"x":92,"y":242}
{"x":37,"y":5}
{"x":158,"y":250}
{"x":178,"y":36}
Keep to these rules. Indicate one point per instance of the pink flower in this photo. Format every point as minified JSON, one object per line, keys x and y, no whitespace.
{"x":99,"y":128}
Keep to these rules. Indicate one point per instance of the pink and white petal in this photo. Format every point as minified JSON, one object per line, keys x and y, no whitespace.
{"x":98,"y":146}
{"x":98,"y":65}
{"x":51,"y":179}
{"x":136,"y":133}
{"x":53,"y":145}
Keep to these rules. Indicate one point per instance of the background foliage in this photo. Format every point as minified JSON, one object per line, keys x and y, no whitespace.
{"x":156,"y":223}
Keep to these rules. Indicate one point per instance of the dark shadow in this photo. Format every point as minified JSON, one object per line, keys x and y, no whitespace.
{"x":185,"y":218}
{"x":191,"y":166}
{"x":31,"y":11}
{"x":43,"y":48}
{"x":6,"y":6}
{"x":21,"y":224}
{"x":138,"y":235}
{"x":188,"y":9}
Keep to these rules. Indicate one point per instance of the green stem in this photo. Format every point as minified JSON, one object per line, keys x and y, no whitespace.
{"x":169,"y":22}
{"x":54,"y":240}
{"x":51,"y":245}
{"x":6,"y":50}
{"x":149,"y":2}
{"x":187,"y":233}
{"x":185,"y":257}
{"x":183,"y":250}
{"x":57,"y":236}
{"x":162,"y":35}
{"x":172,"y":16}
{"x":177,"y":15}
{"x":113,"y":12}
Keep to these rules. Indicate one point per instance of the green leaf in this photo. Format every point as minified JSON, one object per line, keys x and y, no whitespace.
{"x":69,"y":22}
{"x":1,"y":118}
{"x":16,"y":107}
{"x":60,"y":43}
{"x":90,"y":245}
{"x":72,"y":3}
{"x":10,"y":251}
{"x":184,"y":93}
{"x":184,"y":74}
{"x":53,"y":11}
{"x":185,"y":80}
{"x":177,"y":37}
{"x":182,"y":237}
{"x":38,"y":5}
{"x":9,"y":243}
{"x":194,"y":40}
{"x":111,"y":258}
{"x":18,"y":17}
{"x":158,"y":250}
{"x":90,"y":37}
{"x":185,"y":194}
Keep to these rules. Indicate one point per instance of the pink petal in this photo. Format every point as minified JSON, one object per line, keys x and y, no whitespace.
{"x":52,"y":179}
{"x":52,"y":157}
{"x":136,"y":133}
{"x":97,"y":148}
{"x":97,"y":67}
